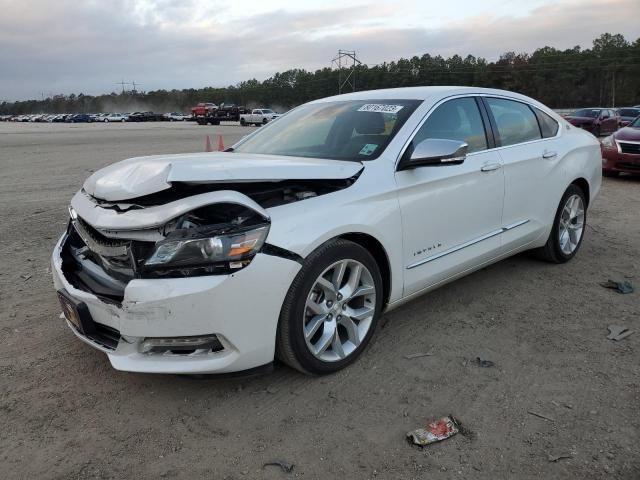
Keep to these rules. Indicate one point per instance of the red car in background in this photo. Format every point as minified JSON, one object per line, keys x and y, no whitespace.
{"x":599,"y":121}
{"x":621,"y":151}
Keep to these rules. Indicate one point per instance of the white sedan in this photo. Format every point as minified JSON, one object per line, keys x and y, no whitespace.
{"x":115,"y":117}
{"x":293,"y":243}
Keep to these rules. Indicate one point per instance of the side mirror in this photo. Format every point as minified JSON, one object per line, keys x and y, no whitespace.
{"x":434,"y":152}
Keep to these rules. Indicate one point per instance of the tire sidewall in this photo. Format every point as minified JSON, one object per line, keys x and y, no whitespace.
{"x":555,"y":238}
{"x":296,"y":298}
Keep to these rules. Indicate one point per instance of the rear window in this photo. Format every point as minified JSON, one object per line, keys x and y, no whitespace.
{"x":548,"y":126}
{"x":629,"y":112}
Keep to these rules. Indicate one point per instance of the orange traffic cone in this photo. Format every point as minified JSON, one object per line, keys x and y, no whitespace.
{"x":207,"y":145}
{"x":220,"y":144}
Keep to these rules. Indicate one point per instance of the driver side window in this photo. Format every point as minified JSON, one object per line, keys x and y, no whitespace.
{"x":457,"y":119}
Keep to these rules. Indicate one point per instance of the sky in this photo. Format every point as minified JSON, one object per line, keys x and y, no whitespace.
{"x":88,"y":46}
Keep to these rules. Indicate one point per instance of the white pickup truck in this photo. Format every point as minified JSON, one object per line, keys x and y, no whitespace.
{"x":258,"y":116}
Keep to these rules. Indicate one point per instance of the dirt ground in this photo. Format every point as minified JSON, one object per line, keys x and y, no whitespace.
{"x":66,"y":414}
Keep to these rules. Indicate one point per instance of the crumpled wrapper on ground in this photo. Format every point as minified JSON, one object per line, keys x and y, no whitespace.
{"x":435,"y":432}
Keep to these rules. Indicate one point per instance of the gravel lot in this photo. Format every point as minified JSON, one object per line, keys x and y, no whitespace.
{"x":65,"y":413}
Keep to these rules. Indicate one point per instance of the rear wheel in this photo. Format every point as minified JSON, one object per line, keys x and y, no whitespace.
{"x":568,"y":228}
{"x":331,"y":310}
{"x":242,"y":122}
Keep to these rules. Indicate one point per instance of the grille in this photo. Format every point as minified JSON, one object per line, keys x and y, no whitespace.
{"x":632,"y":148}
{"x":628,"y":166}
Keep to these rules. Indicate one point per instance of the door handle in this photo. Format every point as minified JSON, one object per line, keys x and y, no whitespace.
{"x":489,"y":167}
{"x":549,"y":154}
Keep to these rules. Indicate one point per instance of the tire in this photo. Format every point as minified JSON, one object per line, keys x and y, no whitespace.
{"x":122,"y":121}
{"x":106,"y":120}
{"x":555,"y":250}
{"x":242,"y":122}
{"x":293,"y":347}
{"x":610,"y":173}
{"x":264,"y":121}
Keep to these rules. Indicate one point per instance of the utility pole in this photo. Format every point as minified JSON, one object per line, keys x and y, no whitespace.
{"x":346,"y":62}
{"x":613,"y":86}
{"x":135,"y":89}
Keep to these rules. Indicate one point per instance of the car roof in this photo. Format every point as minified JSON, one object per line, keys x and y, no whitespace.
{"x":425,"y":93}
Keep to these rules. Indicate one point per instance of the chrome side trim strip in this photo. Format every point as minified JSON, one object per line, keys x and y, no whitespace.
{"x":466,"y":244}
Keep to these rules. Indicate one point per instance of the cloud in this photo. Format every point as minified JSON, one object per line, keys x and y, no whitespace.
{"x":69,"y":46}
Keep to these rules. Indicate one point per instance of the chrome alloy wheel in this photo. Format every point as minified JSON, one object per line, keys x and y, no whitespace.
{"x":339,"y":310}
{"x":571,"y":224}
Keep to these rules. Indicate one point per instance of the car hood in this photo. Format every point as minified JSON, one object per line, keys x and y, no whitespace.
{"x":628,"y":133}
{"x":141,"y":176}
{"x":580,"y":120}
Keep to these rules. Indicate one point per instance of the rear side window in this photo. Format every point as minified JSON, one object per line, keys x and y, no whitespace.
{"x":457,"y":119}
{"x":548,"y":125}
{"x":515,"y":121}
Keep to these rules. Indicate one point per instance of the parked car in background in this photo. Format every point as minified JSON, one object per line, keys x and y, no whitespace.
{"x":258,"y":116}
{"x":599,"y":121}
{"x":621,"y":151}
{"x":115,"y":117}
{"x":144,"y":117}
{"x":628,"y":115}
{"x":293,"y":242}
{"x":79,"y":118}
{"x":177,"y":117}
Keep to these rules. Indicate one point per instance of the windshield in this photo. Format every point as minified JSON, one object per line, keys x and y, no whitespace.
{"x":635,"y":123}
{"x":348,"y":130}
{"x":586,"y":112}
{"x":267,"y":111}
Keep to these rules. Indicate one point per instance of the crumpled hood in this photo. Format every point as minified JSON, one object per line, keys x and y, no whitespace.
{"x":141,"y":176}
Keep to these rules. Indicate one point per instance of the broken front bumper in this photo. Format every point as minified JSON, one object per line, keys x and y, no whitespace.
{"x":241,"y":309}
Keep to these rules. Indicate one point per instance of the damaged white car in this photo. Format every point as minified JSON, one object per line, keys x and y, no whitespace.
{"x":293,"y":242}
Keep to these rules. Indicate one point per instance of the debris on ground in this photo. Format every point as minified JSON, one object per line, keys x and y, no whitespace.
{"x":417,"y":355}
{"x":484,"y":363}
{"x":621,"y":287}
{"x":26,"y":277}
{"x":555,"y":458}
{"x":435,"y":432}
{"x":286,"y":467}
{"x":618,"y":333}
{"x":539,"y":415}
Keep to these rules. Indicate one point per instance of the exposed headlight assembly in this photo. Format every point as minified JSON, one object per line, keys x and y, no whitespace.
{"x":203,"y":247}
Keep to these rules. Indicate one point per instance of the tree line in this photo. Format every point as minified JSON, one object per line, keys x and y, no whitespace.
{"x":607,"y":74}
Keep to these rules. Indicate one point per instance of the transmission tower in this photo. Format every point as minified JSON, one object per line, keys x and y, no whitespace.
{"x":346,"y":62}
{"x":123,"y":83}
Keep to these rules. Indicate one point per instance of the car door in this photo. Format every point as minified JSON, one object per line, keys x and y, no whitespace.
{"x":451,"y":214}
{"x":530,"y":160}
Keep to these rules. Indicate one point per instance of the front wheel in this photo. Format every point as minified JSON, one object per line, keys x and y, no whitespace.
{"x":331,"y":310}
{"x":568,"y":227}
{"x":242,"y":122}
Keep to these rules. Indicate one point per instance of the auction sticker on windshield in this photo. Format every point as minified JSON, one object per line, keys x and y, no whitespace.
{"x":379,"y":107}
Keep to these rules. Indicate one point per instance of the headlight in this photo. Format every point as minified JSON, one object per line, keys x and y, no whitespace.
{"x":609,"y":141}
{"x":205,"y":246}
